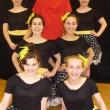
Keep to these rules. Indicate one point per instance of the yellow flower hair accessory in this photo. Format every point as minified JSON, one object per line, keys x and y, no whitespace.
{"x":85,"y":60}
{"x":23,"y":52}
{"x":30,"y":17}
{"x":65,"y":16}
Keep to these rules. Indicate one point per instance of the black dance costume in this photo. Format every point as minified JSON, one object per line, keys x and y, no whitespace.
{"x":17,"y":28}
{"x":80,"y":99}
{"x":46,"y":50}
{"x":68,"y":48}
{"x":27,"y":96}
{"x":17,"y":21}
{"x":87,"y":21}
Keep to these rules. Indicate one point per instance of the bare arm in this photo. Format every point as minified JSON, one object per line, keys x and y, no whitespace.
{"x":15,"y":62}
{"x":44,"y":103}
{"x":63,"y":105}
{"x":100,"y":101}
{"x":56,"y":64}
{"x":51,"y":62}
{"x":7,"y":37}
{"x":5,"y":101}
{"x":103,"y":25}
{"x":90,"y":57}
{"x":28,"y":34}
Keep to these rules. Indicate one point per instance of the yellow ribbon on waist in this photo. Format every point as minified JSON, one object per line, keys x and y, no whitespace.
{"x":42,"y":71}
{"x":87,"y":32}
{"x":18,"y":32}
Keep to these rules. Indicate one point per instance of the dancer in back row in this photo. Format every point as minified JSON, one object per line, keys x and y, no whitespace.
{"x":88,"y":18}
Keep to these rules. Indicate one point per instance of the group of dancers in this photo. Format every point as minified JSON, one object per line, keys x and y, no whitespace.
{"x":52,"y":49}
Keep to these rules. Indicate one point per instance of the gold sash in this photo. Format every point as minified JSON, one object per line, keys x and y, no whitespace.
{"x":18,"y":32}
{"x":86,"y":32}
{"x":42,"y":71}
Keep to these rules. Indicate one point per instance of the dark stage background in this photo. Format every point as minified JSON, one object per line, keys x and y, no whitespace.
{"x":100,"y":73}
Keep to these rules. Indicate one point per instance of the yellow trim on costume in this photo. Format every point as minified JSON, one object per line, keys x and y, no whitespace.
{"x":18,"y":32}
{"x":42,"y":71}
{"x":87,"y":32}
{"x":65,"y":16}
{"x":30,"y":17}
{"x":85,"y":60}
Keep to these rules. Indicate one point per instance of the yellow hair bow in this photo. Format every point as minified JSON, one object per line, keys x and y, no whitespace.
{"x":65,"y":16}
{"x":30,"y":17}
{"x":23,"y":52}
{"x":85,"y":60}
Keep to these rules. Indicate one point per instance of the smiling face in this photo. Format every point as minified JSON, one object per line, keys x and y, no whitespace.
{"x":17,"y":2}
{"x":70,"y":25}
{"x":84,"y":2}
{"x":37,"y":26}
{"x":74,"y":68}
{"x":31,"y":66}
